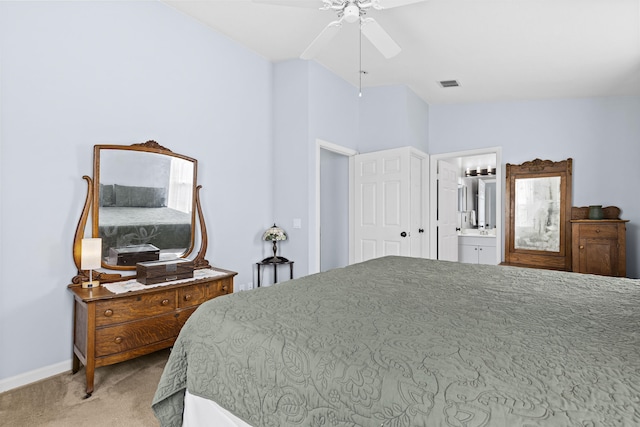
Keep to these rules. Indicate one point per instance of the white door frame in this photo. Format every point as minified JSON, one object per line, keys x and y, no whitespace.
{"x":433,"y":197}
{"x":314,"y":264}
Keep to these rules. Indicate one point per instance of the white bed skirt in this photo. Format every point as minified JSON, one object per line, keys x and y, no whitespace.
{"x":201,"y":412}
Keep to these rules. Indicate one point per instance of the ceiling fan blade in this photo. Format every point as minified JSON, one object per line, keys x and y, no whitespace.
{"x":379,"y":38}
{"x":313,"y":4}
{"x":388,"y":4}
{"x":323,"y":38}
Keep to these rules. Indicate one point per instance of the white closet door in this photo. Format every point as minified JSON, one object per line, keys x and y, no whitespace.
{"x":389,"y":204}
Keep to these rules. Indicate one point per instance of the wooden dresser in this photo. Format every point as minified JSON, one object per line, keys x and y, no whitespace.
{"x":599,"y":245}
{"x":111,"y":328}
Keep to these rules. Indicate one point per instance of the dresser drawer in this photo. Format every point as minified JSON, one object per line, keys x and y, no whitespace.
{"x":117,"y":310}
{"x":598,"y":231}
{"x":220,"y":287}
{"x":194,"y":295}
{"x":131,"y":335}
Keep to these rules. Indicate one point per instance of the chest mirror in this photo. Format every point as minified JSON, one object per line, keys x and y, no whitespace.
{"x":142,"y":198}
{"x":538,"y":211}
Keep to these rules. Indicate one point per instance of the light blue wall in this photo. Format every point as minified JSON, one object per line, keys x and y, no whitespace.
{"x":310,"y":103}
{"x":392,"y":116}
{"x":602,"y":135}
{"x":290,"y":153}
{"x":75,"y":74}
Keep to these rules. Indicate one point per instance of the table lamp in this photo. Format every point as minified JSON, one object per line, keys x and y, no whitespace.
{"x":274,"y":234}
{"x":90,"y":259}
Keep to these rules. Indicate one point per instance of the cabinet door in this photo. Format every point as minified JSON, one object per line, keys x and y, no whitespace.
{"x":468,"y":254}
{"x":487,"y":255}
{"x":598,"y":256}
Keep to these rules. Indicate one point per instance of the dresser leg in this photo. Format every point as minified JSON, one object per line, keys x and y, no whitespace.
{"x":90,"y":370}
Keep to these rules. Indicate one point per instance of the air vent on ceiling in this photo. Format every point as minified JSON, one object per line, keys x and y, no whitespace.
{"x":449,"y":83}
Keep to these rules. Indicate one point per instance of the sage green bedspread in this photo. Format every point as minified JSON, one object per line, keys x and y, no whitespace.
{"x":411,"y":342}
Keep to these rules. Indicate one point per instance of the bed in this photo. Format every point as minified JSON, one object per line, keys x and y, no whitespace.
{"x":399,"y":341}
{"x":137,"y":215}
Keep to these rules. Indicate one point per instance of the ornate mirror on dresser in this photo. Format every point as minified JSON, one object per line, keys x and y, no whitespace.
{"x":142,"y":196}
{"x":538,"y":214}
{"x":144,"y":205}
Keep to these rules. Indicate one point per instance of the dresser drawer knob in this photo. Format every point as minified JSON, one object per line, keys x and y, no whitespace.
{"x":165,"y":302}
{"x":581,"y":246}
{"x":597,"y":230}
{"x":187,"y":297}
{"x":224,"y":288}
{"x":108,"y":313}
{"x":118,"y":340}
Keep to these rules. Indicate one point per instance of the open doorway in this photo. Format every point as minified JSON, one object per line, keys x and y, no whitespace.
{"x":332,"y":206}
{"x":478,"y":214}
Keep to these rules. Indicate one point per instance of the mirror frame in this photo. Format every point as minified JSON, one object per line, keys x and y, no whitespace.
{"x":554,"y":260}
{"x":92,"y":203}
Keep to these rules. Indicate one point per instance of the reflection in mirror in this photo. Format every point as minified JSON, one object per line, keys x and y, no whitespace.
{"x":145,"y":205}
{"x":477,"y":203}
{"x":482,"y":220}
{"x":537,"y":214}
{"x":489,"y":205}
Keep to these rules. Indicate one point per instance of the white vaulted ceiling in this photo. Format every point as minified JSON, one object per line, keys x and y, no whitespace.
{"x":498,"y":50}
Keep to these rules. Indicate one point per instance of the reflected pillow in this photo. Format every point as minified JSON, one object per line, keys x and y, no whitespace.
{"x":107,"y":196}
{"x":142,"y":197}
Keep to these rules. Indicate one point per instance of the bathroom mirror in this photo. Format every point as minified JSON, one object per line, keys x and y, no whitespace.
{"x":477,"y":202}
{"x":538,"y":214}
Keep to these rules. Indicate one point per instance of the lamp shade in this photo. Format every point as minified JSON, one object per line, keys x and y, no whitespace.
{"x":274,"y":233}
{"x":91,"y":254}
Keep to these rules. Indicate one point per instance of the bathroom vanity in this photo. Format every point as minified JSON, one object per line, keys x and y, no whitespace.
{"x":477,"y":247}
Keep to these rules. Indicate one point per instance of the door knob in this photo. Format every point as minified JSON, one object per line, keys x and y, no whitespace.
{"x":403,"y":234}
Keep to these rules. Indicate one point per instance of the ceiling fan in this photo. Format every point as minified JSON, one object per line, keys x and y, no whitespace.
{"x":350,"y":11}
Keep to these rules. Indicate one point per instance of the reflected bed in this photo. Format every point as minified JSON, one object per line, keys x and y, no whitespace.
{"x":413,"y":342}
{"x":162,"y":227}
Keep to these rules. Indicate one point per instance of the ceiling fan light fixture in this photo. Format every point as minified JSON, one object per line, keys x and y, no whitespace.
{"x":351,"y":13}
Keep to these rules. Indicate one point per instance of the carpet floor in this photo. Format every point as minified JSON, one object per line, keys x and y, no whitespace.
{"x":122,"y":397}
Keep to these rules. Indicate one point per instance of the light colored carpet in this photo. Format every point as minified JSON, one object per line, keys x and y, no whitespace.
{"x":122,"y":397}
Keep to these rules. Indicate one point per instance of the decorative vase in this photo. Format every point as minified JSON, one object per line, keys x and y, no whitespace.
{"x":595,"y":212}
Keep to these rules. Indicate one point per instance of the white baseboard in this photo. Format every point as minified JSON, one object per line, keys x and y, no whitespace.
{"x":35,"y":375}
